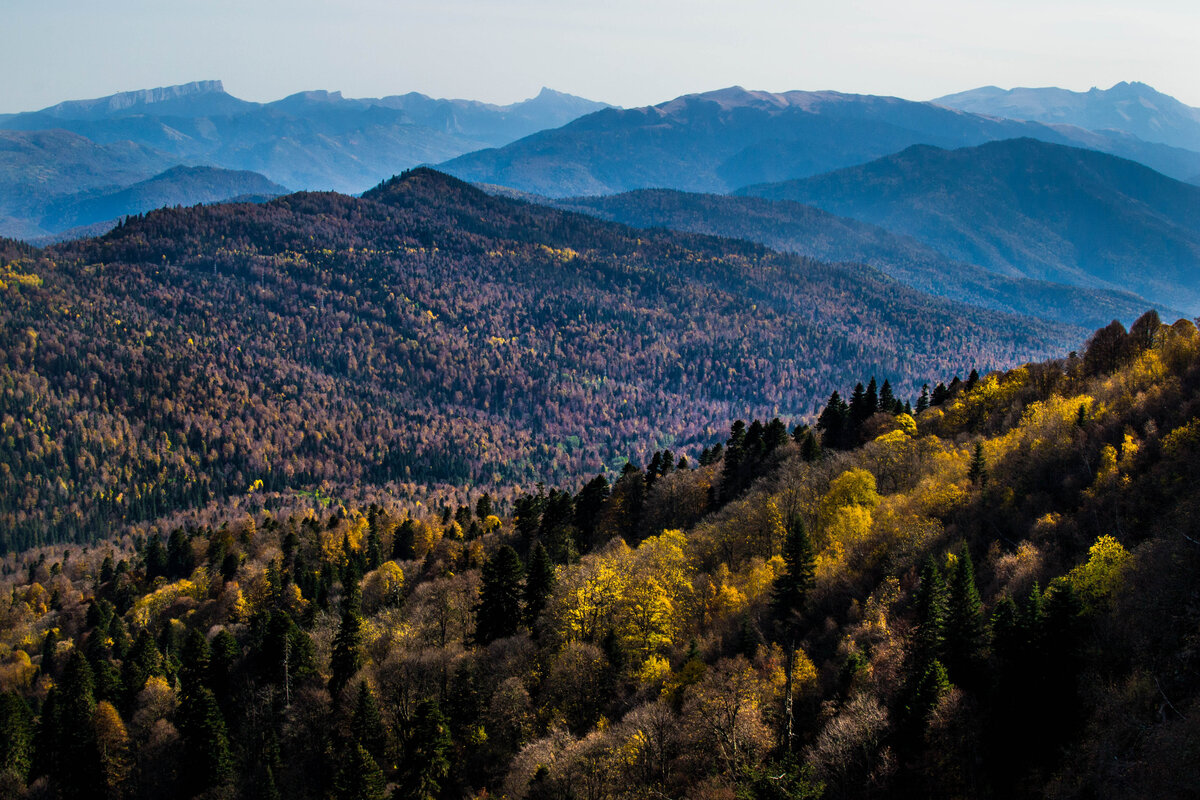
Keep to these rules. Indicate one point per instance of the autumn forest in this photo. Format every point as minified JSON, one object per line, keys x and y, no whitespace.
{"x":431,"y":494}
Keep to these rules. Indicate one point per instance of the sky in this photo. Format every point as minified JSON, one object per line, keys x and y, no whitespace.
{"x":627,"y":52}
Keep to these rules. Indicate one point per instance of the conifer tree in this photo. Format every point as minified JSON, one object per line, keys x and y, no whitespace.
{"x":143,"y":660}
{"x":859,"y":412}
{"x":499,"y":611}
{"x":833,"y":421}
{"x":923,"y":400}
{"x":358,"y":776}
{"x":206,"y":758}
{"x":940,"y":395}
{"x":346,"y":658}
{"x":16,"y":735}
{"x":66,"y":737}
{"x":156,"y":558}
{"x":483,"y":506}
{"x":977,"y":472}
{"x":965,"y":627}
{"x":790,"y":589}
{"x":887,"y":400}
{"x":196,"y":661}
{"x":427,"y":756}
{"x":775,"y":436}
{"x":539,"y":583}
{"x":932,"y":685}
{"x":403,"y":546}
{"x":930,"y":602}
{"x":810,"y":448}
{"x":374,"y":551}
{"x":366,"y":723}
{"x":588,"y":503}
{"x":871,"y":398}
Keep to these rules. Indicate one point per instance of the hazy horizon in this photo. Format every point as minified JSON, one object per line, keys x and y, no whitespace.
{"x":636,"y":53}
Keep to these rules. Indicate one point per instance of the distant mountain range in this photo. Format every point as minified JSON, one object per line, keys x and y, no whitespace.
{"x":1028,"y":209}
{"x":1133,"y":108}
{"x":310,"y":140}
{"x":719,"y":141}
{"x":792,"y":227}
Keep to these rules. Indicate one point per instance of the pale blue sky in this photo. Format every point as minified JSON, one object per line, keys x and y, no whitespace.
{"x":629,"y":52}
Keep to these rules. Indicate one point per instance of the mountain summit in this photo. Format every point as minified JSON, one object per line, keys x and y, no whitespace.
{"x":198,"y":98}
{"x":1132,"y":108}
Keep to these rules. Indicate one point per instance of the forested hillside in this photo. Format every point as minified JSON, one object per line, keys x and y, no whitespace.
{"x":994,"y":596}
{"x":425,"y":334}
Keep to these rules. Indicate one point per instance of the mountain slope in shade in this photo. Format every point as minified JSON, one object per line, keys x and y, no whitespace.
{"x":37,"y":166}
{"x":1133,"y":108}
{"x":791,"y":227}
{"x":1029,"y":209}
{"x":718,"y":141}
{"x":428,"y":332}
{"x":310,"y":140}
{"x":176,"y":186}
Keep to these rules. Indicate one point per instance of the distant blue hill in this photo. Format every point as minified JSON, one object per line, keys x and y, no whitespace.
{"x":1028,"y":209}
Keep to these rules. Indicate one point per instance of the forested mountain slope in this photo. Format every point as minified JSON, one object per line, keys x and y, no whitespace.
{"x":994,"y":599}
{"x":793,"y":227}
{"x":38,"y":166}
{"x":428,"y":333}
{"x":1030,"y":209}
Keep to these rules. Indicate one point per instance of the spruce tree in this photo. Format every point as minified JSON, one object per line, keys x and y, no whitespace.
{"x":403,"y":545}
{"x":16,"y":735}
{"x":346,"y":658}
{"x":859,"y":412}
{"x":977,"y":472}
{"x":940,"y":395}
{"x":887,"y":400}
{"x":966,"y":630}
{"x":833,"y":421}
{"x":539,"y":583}
{"x":923,"y":400}
{"x":206,"y":761}
{"x":930,"y":602}
{"x":932,"y":685}
{"x":358,"y":776}
{"x":871,"y":398}
{"x":588,"y":504}
{"x":483,"y":506}
{"x":366,"y":723}
{"x":499,"y":611}
{"x":775,"y":436}
{"x":196,"y":661}
{"x":791,"y":588}
{"x":810,"y":448}
{"x":427,"y":756}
